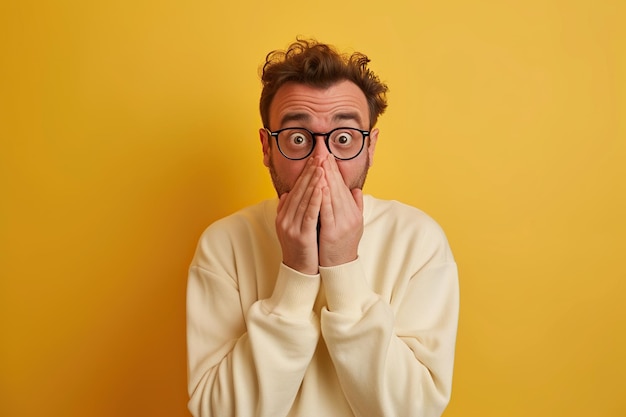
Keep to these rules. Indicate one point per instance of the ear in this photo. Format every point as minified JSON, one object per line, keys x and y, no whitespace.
{"x":372,"y":145}
{"x":265,"y":144}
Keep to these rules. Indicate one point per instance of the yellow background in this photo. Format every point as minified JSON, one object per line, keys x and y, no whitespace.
{"x":127,"y":127}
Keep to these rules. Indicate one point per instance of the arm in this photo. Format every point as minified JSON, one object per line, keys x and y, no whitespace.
{"x":388,"y":364}
{"x":253,"y":364}
{"x":244,"y":363}
{"x":392,"y":364}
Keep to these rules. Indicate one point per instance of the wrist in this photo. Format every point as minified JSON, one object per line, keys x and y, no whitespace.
{"x":330,"y":259}
{"x":307,"y":268}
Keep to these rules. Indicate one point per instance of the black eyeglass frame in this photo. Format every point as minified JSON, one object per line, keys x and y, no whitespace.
{"x":365,"y":133}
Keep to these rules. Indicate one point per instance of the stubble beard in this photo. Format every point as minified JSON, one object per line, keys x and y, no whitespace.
{"x":281,"y":187}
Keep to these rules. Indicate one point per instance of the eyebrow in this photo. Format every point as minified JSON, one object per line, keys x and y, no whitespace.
{"x":348,"y":116}
{"x":294,"y":117}
{"x":304,"y":117}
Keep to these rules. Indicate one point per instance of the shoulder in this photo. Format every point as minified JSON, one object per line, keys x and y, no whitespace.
{"x":398,"y":213}
{"x":399,"y":222}
{"x":225,"y":234}
{"x":256,"y":215}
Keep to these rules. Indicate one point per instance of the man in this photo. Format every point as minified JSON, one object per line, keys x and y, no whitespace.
{"x":323,"y":302}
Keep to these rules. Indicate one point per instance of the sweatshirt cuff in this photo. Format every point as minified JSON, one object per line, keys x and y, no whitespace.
{"x":346,"y":287}
{"x":294,"y":293}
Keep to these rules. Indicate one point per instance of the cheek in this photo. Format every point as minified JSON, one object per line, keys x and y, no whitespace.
{"x":287,"y":171}
{"x":345,"y":170}
{"x":353,"y":169}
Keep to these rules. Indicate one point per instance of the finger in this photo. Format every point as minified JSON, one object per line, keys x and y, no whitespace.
{"x":327,"y":214}
{"x":357,"y":194}
{"x":308,"y":207}
{"x":337,"y":187}
{"x":281,"y":201}
{"x":299,"y":189}
{"x":312,"y":213}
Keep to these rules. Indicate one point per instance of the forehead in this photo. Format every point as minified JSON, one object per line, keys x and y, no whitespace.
{"x":301,"y":102}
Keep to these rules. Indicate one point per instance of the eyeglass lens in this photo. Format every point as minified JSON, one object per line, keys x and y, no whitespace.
{"x":344,"y":143}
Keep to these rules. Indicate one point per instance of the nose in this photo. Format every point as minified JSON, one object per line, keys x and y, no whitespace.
{"x":320,"y":150}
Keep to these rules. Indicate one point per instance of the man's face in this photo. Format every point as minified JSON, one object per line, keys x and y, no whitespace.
{"x":320,"y":110}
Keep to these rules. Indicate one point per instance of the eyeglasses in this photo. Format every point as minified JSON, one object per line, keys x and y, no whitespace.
{"x":297,"y":143}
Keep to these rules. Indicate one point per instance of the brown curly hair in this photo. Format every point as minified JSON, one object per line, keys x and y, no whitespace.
{"x":319,"y":65}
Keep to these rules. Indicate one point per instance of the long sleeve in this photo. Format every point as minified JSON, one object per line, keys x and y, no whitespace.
{"x":393,"y":349}
{"x":373,"y":337}
{"x":246,"y":357}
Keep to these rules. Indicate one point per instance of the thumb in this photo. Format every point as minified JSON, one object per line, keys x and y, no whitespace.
{"x":357,"y":194}
{"x":281,"y":201}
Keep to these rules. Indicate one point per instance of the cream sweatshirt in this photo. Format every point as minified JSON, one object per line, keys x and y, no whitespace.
{"x":373,"y":337}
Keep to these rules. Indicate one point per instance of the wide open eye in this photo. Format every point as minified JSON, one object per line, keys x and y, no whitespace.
{"x":295,"y":143}
{"x":344,"y":138}
{"x":297,"y":139}
{"x":346,"y":142}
